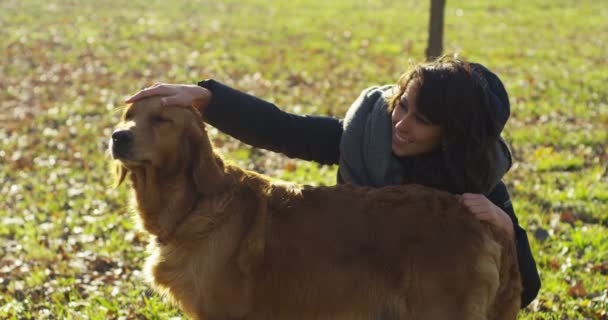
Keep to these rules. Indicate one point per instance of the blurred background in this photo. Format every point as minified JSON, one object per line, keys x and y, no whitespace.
{"x":69,"y":247}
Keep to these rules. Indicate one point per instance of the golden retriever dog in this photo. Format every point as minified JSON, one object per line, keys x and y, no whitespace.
{"x":233,"y":244}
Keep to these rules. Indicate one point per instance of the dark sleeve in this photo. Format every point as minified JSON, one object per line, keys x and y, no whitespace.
{"x":527,"y":266}
{"x":263,"y":125}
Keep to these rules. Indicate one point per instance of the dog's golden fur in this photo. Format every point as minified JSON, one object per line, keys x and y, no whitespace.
{"x":231,"y":244}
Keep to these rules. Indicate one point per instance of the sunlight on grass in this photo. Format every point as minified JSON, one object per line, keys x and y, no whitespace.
{"x":70,"y":247}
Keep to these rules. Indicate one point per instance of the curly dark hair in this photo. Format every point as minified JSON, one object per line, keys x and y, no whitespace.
{"x":454,"y":94}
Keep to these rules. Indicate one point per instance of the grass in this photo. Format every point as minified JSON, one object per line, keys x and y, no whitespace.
{"x":69,"y":247}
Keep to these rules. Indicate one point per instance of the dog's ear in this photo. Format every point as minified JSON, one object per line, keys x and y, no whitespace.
{"x":207,"y":167}
{"x":120,"y":172}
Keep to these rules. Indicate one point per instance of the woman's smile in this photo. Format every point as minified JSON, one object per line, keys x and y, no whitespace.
{"x":401,"y":138}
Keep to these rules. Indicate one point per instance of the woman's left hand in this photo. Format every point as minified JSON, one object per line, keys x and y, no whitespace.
{"x":485,"y":210}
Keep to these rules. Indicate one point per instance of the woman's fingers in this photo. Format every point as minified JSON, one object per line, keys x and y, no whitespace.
{"x":473,"y":196}
{"x":156,"y":90}
{"x":173,"y":100}
{"x":484,"y":210}
{"x":471,"y":199}
{"x":478,"y":204}
{"x":475,"y":203}
{"x":175,"y":95}
{"x":485,"y":217}
{"x":139,"y":95}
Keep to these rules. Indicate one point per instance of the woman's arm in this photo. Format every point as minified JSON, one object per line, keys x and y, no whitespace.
{"x":254,"y":121}
{"x":527,"y":266}
{"x":263,"y":125}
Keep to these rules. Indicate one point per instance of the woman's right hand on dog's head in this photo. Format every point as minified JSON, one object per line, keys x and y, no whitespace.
{"x":176,"y":95}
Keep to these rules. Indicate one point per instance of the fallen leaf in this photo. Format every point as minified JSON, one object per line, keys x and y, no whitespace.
{"x":578,"y":290}
{"x":290,"y":167}
{"x":568,"y":217}
{"x":554,"y":264}
{"x":601,"y":268}
{"x":102,"y":265}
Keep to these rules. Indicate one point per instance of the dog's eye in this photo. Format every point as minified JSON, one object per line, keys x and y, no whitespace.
{"x":159,"y":119}
{"x":128,"y":116}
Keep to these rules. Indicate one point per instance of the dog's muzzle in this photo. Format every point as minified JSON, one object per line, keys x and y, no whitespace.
{"x":122,"y":141}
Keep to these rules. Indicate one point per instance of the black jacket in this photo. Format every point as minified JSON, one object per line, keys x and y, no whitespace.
{"x":317,"y":138}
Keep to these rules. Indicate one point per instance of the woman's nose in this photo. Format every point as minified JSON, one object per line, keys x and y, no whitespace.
{"x":403,"y":123}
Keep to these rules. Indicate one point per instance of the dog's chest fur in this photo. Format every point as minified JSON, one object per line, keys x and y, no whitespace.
{"x":200,"y":275}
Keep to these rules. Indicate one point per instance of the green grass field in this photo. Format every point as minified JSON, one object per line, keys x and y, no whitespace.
{"x":71,"y":250}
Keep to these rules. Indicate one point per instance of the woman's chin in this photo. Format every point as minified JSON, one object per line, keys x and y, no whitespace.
{"x":400,"y":150}
{"x":407,"y":150}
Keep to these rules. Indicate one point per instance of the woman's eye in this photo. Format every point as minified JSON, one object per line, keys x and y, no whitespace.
{"x":422,"y":120}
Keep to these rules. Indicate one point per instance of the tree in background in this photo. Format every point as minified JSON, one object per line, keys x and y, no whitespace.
{"x":434,"y":46}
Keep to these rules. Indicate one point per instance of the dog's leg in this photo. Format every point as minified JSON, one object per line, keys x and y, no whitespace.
{"x":202,"y":317}
{"x":231,"y":300}
{"x":389,"y":313}
{"x":465,"y":293}
{"x":234,"y":285}
{"x":486,"y":281}
{"x":508,"y":299}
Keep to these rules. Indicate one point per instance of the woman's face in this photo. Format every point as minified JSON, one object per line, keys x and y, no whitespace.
{"x":413,"y":134}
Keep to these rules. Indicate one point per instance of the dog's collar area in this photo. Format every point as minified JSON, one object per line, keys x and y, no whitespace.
{"x":222,"y":203}
{"x":164,"y":239}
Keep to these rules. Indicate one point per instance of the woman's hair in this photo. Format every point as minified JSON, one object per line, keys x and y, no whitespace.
{"x":454,"y":96}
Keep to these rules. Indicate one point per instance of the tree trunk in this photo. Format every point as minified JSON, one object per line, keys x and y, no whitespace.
{"x":435,"y":43}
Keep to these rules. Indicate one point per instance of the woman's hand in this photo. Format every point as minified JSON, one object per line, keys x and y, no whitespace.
{"x":176,"y":95}
{"x":485,"y":210}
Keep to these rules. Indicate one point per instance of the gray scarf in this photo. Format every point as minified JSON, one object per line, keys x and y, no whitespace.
{"x":366,"y":157}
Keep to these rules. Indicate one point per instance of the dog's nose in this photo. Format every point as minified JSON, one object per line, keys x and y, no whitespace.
{"x":122,"y":137}
{"x":121,"y":142}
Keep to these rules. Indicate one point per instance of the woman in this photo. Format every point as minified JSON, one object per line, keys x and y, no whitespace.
{"x":439,"y":126}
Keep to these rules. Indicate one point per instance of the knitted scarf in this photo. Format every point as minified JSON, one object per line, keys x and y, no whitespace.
{"x":366,"y":157}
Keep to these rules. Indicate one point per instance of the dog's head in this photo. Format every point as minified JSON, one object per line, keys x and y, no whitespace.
{"x":171,"y":140}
